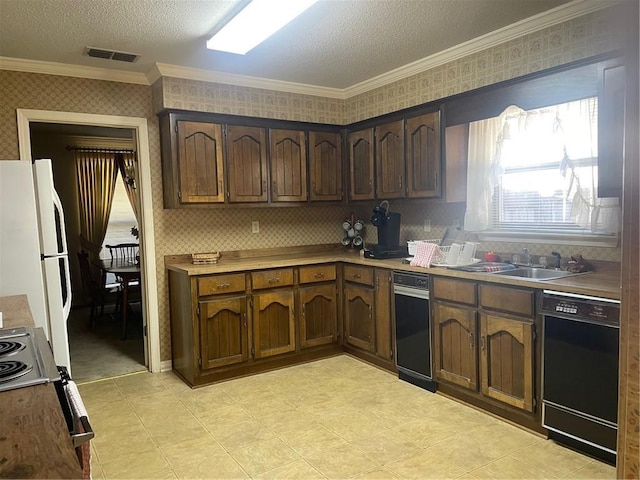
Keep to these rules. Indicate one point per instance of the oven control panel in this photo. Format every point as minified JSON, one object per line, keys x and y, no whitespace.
{"x":419,"y":281}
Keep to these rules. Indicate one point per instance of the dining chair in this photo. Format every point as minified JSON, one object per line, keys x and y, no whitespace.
{"x":97,"y":290}
{"x":123,"y":251}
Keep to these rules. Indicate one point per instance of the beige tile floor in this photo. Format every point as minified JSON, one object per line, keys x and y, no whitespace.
{"x":334,"y":418}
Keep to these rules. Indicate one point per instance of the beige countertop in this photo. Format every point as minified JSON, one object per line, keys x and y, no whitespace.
{"x":604,"y":281}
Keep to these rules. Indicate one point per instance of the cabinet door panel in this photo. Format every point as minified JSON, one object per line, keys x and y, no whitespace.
{"x":389,"y":153}
{"x":223,"y":332}
{"x":200,"y":162}
{"x":359,"y":320}
{"x":318,"y":318}
{"x":455,"y":346}
{"x":317,"y":273}
{"x":361,"y":165}
{"x":273,"y":324}
{"x":456,"y":162}
{"x":516,"y":301}
{"x":383,"y":299}
{"x":247,"y":164}
{"x":507,"y":360}
{"x":423,"y":156}
{"x":611,"y":106}
{"x":288,"y":166}
{"x":325,"y":166}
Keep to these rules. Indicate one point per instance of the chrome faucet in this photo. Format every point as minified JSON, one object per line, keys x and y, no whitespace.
{"x":526,"y":256}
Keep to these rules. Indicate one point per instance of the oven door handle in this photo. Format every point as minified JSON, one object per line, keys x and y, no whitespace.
{"x":82,"y":431}
{"x":410,"y":292}
{"x":87,"y":434}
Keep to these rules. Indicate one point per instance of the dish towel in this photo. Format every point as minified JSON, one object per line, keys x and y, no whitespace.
{"x":78,"y":410}
{"x":425,"y":253}
{"x":498,"y":268}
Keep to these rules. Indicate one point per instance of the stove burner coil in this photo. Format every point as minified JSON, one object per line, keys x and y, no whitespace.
{"x":12,"y":369}
{"x":8,"y":347}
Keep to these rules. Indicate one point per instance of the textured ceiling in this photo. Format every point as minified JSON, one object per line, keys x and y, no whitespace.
{"x":335,"y":44}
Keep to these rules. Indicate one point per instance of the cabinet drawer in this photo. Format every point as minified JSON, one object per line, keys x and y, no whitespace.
{"x":507,"y":299}
{"x":354,"y":273}
{"x":218,"y":284}
{"x":454,"y":290}
{"x":272,"y":278}
{"x":317,"y":273}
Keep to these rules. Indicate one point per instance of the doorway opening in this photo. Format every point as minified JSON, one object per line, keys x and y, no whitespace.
{"x":38,"y":128}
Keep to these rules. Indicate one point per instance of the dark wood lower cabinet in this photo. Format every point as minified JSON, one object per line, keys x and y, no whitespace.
{"x":359,"y":321}
{"x":484,"y":346}
{"x":455,"y":347}
{"x":273,"y":323}
{"x":223,"y":331}
{"x":507,"y":356}
{"x":318,"y":315}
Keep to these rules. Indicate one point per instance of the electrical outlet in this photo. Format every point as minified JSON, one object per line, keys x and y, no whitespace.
{"x":255,"y":227}
{"x":427,"y":224}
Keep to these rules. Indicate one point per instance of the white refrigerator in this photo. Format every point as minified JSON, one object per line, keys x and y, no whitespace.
{"x":33,"y":248}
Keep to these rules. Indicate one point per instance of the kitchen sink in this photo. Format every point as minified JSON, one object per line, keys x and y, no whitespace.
{"x":534,"y":273}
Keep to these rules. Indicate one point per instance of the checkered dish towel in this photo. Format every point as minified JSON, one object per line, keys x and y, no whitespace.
{"x":425,"y":254}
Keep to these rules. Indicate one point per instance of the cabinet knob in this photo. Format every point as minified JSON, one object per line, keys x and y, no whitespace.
{"x":471,"y":343}
{"x":482,"y":343}
{"x":274,"y":280}
{"x":357,"y":275}
{"x":221,"y":286}
{"x":318,"y":275}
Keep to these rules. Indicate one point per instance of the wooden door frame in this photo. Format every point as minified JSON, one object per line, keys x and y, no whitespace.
{"x":148,"y":264}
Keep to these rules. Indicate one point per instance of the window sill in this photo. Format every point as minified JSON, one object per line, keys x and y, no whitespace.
{"x":526,"y":236}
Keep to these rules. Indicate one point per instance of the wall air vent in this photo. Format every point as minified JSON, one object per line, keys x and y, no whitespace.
{"x":111,"y":54}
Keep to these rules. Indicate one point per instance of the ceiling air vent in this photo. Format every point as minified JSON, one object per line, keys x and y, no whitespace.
{"x":111,"y":54}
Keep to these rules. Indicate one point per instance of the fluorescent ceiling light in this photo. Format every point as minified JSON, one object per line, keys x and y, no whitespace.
{"x":255,"y":23}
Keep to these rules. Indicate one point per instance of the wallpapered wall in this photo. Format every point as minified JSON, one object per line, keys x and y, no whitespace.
{"x":182,"y":231}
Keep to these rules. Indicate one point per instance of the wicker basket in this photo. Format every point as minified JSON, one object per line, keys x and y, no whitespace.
{"x":205,"y":258}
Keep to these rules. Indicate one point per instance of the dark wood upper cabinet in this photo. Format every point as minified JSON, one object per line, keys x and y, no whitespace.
{"x":456,"y":152}
{"x":611,"y":101}
{"x":325,"y":166}
{"x":361,"y":160}
{"x":247,"y":164}
{"x":389,"y":155}
{"x":424,"y":177}
{"x":288,"y":160}
{"x":200,"y":162}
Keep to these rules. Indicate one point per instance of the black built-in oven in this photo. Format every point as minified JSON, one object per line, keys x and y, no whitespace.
{"x":413,"y":329}
{"x":580,"y":371}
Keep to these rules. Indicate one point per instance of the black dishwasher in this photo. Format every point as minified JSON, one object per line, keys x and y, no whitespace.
{"x":413,"y":332}
{"x":580,"y":371}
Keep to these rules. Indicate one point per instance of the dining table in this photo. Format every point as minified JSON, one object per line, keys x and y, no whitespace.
{"x":127,"y":271}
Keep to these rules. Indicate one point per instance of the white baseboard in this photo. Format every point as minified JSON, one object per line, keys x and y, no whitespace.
{"x":165,"y":366}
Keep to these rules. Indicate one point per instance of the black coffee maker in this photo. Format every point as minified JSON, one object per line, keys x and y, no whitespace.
{"x":388,"y":225}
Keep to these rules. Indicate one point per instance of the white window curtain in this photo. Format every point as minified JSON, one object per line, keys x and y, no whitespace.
{"x":518,"y":138}
{"x":482,"y":170}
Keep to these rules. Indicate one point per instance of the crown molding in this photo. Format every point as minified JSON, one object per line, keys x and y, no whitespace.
{"x":536,"y":23}
{"x":543,"y":20}
{"x":68,"y":70}
{"x":165,"y":70}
